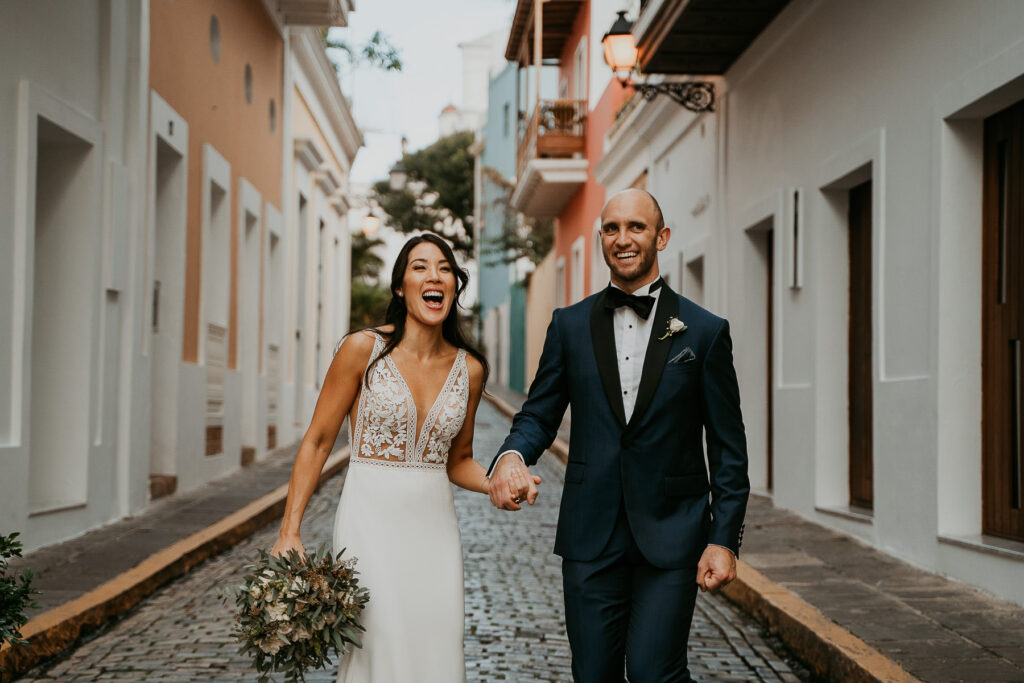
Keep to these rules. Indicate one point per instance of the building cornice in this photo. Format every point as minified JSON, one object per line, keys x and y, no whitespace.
{"x":319,"y":74}
{"x":307,"y":154}
{"x":340,"y":202}
{"x":327,"y":181}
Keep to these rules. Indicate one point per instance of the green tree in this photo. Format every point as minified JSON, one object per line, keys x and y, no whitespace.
{"x":369,"y":301}
{"x":439,"y":195}
{"x":377,"y":52}
{"x":369,"y":298}
{"x":366,"y":263}
{"x":520,"y":236}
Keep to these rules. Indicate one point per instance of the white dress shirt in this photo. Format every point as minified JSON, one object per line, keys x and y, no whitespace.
{"x":631,"y":336}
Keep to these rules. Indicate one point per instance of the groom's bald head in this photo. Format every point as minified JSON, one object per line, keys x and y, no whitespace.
{"x":634,"y":193}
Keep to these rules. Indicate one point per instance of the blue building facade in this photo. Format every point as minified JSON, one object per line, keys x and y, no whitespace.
{"x":502,"y":312}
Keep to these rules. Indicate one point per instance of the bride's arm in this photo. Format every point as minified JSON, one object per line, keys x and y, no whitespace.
{"x":462,"y":469}
{"x":341,"y":385}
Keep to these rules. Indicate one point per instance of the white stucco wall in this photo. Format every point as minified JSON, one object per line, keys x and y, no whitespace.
{"x":829,"y":95}
{"x":66,"y":305}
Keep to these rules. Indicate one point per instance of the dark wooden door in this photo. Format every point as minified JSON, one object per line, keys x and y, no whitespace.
{"x":860,"y":373}
{"x":770,"y":351}
{"x":1003,"y":324}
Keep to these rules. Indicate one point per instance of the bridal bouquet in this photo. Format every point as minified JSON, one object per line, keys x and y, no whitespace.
{"x":293,"y":611}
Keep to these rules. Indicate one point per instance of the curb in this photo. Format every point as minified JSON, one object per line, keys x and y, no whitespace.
{"x":828,"y":649}
{"x":53,"y":631}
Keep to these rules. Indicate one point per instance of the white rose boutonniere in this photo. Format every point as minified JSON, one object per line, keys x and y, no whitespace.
{"x":675,"y":326}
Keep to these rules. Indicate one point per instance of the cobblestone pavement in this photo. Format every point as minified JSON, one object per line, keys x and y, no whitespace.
{"x":515,"y":628}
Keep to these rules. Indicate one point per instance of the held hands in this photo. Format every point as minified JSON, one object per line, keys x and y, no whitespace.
{"x":716,"y":568}
{"x":511,"y":483}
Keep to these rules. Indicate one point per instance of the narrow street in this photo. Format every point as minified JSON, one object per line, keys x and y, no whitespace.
{"x":514,"y":616}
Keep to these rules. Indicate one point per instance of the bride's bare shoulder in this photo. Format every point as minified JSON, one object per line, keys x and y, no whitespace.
{"x":476,"y":371}
{"x":366,"y":337}
{"x":356,"y":347}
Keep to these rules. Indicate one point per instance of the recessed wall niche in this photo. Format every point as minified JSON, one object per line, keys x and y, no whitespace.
{"x":215,"y":37}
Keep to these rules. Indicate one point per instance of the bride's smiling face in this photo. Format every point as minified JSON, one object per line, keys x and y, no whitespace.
{"x":428,"y":286}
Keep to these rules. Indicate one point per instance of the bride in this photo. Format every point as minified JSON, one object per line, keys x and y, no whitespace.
{"x":410,"y":389}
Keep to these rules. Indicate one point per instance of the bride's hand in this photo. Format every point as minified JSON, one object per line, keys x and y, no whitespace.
{"x":285,"y":544}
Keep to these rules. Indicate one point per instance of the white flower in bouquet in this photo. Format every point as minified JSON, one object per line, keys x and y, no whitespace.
{"x":277,"y":611}
{"x":272,"y":645}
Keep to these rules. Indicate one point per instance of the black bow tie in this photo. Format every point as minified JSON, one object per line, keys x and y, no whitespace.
{"x":615,"y":297}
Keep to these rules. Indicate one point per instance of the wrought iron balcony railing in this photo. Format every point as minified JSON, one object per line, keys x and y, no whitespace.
{"x":557,"y":130}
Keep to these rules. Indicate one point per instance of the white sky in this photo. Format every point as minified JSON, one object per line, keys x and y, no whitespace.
{"x":388,"y":105}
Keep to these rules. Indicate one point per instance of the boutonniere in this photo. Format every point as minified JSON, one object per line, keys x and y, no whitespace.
{"x":675,"y":326}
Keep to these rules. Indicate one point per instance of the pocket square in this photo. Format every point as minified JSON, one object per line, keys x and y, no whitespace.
{"x":684,"y":356}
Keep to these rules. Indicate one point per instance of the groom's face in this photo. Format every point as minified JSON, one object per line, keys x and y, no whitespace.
{"x":631,"y":237}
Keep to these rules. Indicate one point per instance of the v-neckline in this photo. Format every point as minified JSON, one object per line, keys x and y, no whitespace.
{"x":412,"y":398}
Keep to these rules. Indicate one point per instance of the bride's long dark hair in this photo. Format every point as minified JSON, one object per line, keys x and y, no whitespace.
{"x":451,"y":328}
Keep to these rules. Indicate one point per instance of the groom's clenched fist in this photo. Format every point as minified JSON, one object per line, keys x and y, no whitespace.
{"x":716,"y":568}
{"x":511,"y":483}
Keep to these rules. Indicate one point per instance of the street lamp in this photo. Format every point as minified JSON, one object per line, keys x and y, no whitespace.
{"x":371,"y":224}
{"x":621,"y":54}
{"x":620,"y":51}
{"x":398,"y":176}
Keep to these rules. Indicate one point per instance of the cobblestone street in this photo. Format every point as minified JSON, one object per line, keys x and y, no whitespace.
{"x":514,"y":614}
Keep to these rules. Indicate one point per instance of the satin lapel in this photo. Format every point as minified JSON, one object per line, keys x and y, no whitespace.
{"x":657,"y":353}
{"x":602,"y":335}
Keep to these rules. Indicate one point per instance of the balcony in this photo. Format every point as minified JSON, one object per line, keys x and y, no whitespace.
{"x":551,"y":164}
{"x":699,"y":37}
{"x":556,"y":22}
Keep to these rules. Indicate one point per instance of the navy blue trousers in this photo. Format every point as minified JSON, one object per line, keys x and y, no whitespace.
{"x":624,"y":615}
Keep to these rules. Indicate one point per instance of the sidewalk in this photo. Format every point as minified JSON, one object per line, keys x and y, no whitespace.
{"x":853,"y":613}
{"x":88,"y":580}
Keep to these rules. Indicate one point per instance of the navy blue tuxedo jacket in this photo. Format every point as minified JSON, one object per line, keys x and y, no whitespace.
{"x":654,"y":464}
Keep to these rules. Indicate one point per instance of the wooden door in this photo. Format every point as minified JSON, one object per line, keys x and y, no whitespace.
{"x":1003,"y":324}
{"x":860,"y":365}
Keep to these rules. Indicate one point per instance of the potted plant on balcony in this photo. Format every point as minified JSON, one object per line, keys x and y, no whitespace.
{"x":564,"y":114}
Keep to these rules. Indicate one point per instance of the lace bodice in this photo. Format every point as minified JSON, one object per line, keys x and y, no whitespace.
{"x":386,"y":418}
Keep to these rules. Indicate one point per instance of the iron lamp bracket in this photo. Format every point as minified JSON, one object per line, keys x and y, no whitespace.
{"x":697,"y":96}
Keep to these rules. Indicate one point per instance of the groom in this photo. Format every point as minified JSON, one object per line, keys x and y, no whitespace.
{"x":647,"y":373}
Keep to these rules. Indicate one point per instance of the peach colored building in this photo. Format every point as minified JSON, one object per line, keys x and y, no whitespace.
{"x":217,"y":70}
{"x":162,"y":280}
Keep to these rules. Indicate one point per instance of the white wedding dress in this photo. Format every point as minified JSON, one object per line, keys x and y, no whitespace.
{"x":397,"y":516}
